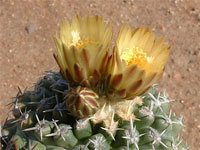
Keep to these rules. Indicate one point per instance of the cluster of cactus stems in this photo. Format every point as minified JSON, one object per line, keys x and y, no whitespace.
{"x":42,"y":121}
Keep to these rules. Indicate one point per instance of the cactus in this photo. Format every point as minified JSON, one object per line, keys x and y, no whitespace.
{"x":107,"y":105}
{"x":55,"y":128}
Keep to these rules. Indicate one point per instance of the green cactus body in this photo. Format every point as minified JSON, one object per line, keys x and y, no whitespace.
{"x":44,"y":122}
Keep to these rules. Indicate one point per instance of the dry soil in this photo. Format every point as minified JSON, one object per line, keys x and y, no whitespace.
{"x":26,"y":45}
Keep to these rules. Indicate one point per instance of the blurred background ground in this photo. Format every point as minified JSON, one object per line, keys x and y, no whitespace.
{"x":26,"y":45}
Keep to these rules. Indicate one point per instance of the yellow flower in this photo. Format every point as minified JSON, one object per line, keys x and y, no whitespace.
{"x":83,"y":49}
{"x":138,"y":61}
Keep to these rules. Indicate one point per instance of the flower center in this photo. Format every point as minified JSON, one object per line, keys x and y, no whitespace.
{"x":136,"y":56}
{"x":80,"y":43}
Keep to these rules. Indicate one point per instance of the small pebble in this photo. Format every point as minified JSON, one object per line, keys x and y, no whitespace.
{"x":181,"y":101}
{"x":31,"y":28}
{"x":196,"y":52}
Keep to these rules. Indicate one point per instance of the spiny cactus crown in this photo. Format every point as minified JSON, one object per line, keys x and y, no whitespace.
{"x":42,"y":122}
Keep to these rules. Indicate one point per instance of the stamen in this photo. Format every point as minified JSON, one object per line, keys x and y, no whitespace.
{"x":75,"y":37}
{"x":137,"y":56}
{"x":80,"y":43}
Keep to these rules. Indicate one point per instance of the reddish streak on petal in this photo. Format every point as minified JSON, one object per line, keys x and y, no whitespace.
{"x":96,"y":77}
{"x":135,"y":86}
{"x":85,"y":55}
{"x":122,"y":93}
{"x":116,"y":80}
{"x":85,"y":83}
{"x":78,"y":72}
{"x":104,"y":62}
{"x":108,"y":79}
{"x":68,"y":75}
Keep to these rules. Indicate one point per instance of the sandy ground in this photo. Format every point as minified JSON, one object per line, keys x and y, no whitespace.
{"x":26,"y":45}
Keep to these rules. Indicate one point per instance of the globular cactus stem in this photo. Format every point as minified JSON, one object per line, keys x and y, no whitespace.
{"x":155,"y":126}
